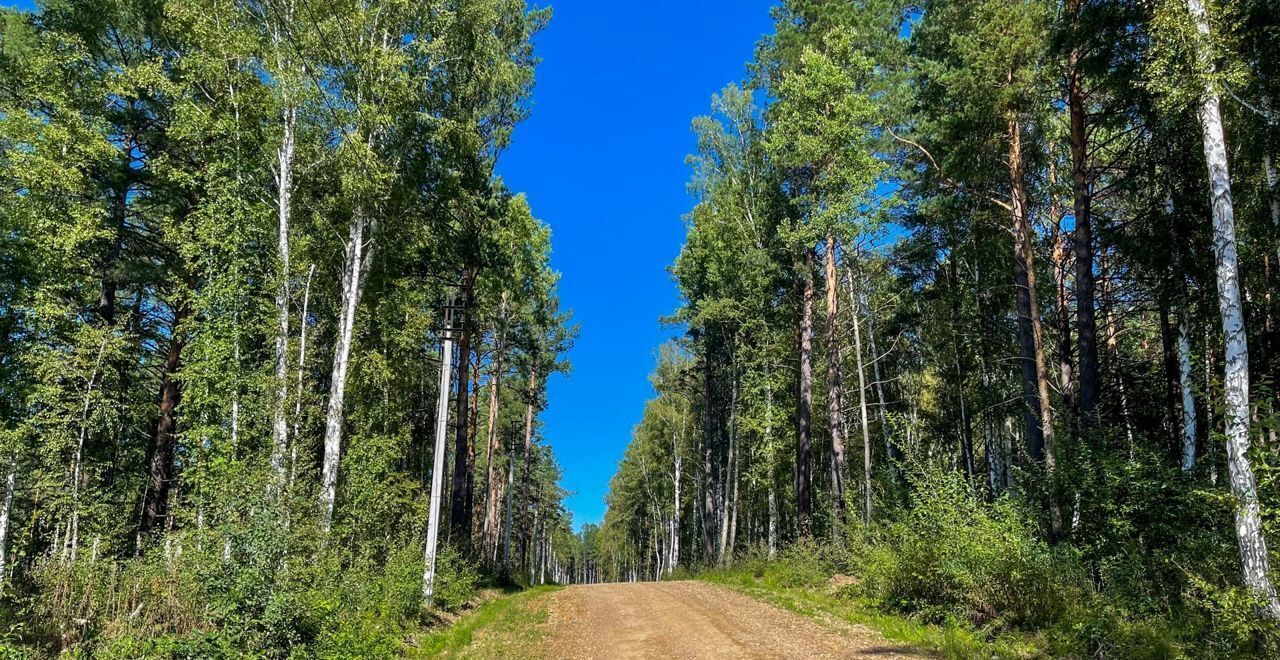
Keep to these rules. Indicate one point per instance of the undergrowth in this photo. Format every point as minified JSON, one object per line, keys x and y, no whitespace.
{"x":968,"y":578}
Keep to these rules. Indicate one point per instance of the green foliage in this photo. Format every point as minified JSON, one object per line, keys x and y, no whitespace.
{"x":955,"y":557}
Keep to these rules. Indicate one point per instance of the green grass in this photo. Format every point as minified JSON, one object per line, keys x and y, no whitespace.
{"x":507,"y":626}
{"x":837,"y":610}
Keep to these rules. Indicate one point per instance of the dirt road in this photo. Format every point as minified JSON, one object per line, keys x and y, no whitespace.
{"x":693,"y":620}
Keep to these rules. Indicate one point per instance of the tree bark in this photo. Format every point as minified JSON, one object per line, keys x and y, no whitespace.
{"x":490,"y":532}
{"x":1169,"y":358}
{"x":284,"y":208}
{"x":677,"y":461}
{"x":527,"y":468}
{"x":1081,"y":176}
{"x":1035,"y":384}
{"x":302,"y":370}
{"x":460,"y":513}
{"x":1254,"y":563}
{"x":1188,"y":397}
{"x":155,"y":508}
{"x":708,"y":455}
{"x":1061,"y":271}
{"x":6,"y":510}
{"x":835,"y":394}
{"x":359,"y":256}
{"x":119,"y":219}
{"x":804,"y":447}
{"x":866,"y":434}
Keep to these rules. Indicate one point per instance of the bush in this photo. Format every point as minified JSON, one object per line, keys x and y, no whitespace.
{"x":956,"y":558}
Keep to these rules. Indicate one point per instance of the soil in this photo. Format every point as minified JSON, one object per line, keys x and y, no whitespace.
{"x":693,"y":620}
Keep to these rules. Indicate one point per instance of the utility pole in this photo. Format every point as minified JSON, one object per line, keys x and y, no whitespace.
{"x":437,"y":468}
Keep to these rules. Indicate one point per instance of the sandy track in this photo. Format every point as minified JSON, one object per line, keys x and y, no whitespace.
{"x":693,"y":620}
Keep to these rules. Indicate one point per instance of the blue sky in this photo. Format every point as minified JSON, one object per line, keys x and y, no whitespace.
{"x":602,"y":161}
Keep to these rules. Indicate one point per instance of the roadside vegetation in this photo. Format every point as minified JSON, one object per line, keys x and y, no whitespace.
{"x":970,"y":579}
{"x":507,"y":625}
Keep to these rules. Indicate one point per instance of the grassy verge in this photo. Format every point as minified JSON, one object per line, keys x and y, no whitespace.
{"x":507,"y":626}
{"x":833,"y":608}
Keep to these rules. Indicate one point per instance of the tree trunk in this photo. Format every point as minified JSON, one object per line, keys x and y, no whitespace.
{"x":284,"y":207}
{"x":527,"y":468}
{"x":119,"y":219}
{"x":1086,"y":323}
{"x":1188,"y":397}
{"x":835,"y":396}
{"x":1249,"y":535}
{"x":506,"y":528}
{"x":1169,"y":357}
{"x":6,"y":509}
{"x":675,"y":504}
{"x":1037,"y":424}
{"x":708,"y":457}
{"x":155,"y":508}
{"x":804,"y":447}
{"x":862,"y":407}
{"x":490,"y":532}
{"x":1273,"y":192}
{"x":1061,"y":254}
{"x":437,"y":460}
{"x":731,"y":460}
{"x":460,"y":513}
{"x":1035,"y":384}
{"x":302,"y":370}
{"x":359,"y":256}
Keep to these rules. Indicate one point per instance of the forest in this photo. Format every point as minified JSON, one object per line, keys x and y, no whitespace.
{"x":274,"y":337}
{"x":980,"y":317}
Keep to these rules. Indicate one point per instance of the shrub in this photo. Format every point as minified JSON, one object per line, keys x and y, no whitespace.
{"x":954,"y":557}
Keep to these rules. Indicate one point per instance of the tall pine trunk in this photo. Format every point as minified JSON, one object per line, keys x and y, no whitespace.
{"x":1035,"y":383}
{"x":160,"y":476}
{"x":460,"y":513}
{"x":1249,"y":535}
{"x":1086,"y":323}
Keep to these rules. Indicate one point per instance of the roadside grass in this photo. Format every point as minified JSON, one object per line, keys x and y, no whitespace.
{"x":507,"y":626}
{"x":833,"y":607}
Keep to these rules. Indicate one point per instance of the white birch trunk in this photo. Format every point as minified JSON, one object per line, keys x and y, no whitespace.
{"x":773,"y":521}
{"x":862,"y":404}
{"x":302,"y":370}
{"x":506,"y":531}
{"x":1252,"y":544}
{"x":5,"y":512}
{"x":675,"y":509}
{"x":1188,"y":397}
{"x":357,"y":263}
{"x":437,"y":462}
{"x":284,"y":208}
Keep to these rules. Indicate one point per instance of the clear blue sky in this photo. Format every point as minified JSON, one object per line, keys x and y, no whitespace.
{"x":602,"y":161}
